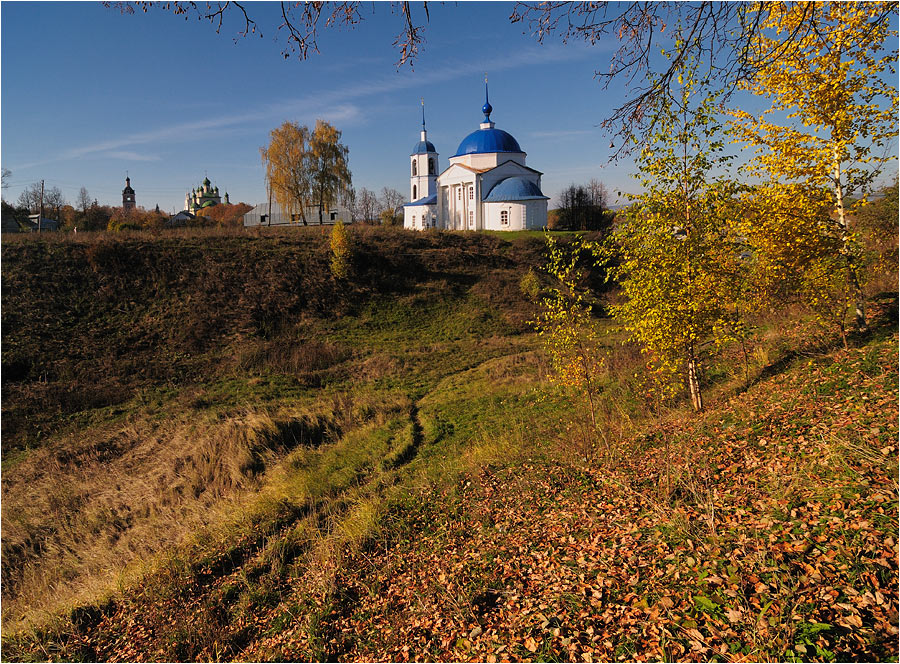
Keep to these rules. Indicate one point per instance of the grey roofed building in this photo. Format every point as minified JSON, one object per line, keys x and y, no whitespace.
{"x":45,"y":224}
{"x":261,"y":215}
{"x":180,"y":219}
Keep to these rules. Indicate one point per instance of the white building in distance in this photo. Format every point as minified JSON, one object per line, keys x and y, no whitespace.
{"x":487,"y":185}
{"x":271,"y":214}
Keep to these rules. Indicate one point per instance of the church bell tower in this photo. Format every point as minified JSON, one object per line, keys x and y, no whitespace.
{"x":128,"y":195}
{"x":423,"y":166}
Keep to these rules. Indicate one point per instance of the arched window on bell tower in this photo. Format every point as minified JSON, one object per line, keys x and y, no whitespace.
{"x":415,"y":193}
{"x":415,"y":169}
{"x":430,"y":165}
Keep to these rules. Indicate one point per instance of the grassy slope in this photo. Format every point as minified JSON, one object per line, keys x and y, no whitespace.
{"x":204,"y":361}
{"x":436,"y":508}
{"x":765,"y":530}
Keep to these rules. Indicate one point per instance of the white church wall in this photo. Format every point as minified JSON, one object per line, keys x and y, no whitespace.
{"x":488,"y":160}
{"x":456,"y":201}
{"x":419,"y":217}
{"x":456,"y":173}
{"x":520,"y":215}
{"x":535,"y":215}
{"x":494,"y":216}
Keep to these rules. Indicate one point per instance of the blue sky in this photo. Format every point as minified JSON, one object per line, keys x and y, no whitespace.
{"x":89,"y":93}
{"x":170,"y":101}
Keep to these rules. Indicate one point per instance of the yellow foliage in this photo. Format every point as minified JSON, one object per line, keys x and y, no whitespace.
{"x":304,"y":167}
{"x":286,"y":173}
{"x":330,"y":174}
{"x":566,"y":326}
{"x":340,"y":251}
{"x":829,"y":81}
{"x":678,"y":247}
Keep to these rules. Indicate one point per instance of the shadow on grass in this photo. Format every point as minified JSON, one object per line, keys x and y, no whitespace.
{"x":882,"y":319}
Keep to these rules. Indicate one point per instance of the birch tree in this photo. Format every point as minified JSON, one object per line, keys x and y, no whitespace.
{"x":679,"y":263}
{"x":567,"y":328}
{"x":834,"y":86}
{"x":287,"y":172}
{"x":327,"y":162}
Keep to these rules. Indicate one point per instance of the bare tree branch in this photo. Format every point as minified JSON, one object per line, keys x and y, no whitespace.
{"x":714,"y":35}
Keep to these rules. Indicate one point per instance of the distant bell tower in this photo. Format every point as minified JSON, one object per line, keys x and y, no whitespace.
{"x":423,"y":166}
{"x":128,"y":195}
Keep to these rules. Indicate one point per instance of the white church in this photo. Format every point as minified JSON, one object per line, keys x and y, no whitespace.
{"x":487,"y":185}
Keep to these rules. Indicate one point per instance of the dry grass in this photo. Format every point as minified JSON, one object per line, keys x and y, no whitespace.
{"x":76,"y":515}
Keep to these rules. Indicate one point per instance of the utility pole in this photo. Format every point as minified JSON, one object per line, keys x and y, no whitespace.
{"x":41,"y":213}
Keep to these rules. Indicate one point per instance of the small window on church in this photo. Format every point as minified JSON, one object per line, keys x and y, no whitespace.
{"x":472,"y":219}
{"x":414,"y":167}
{"x":471,"y":193}
{"x":431,"y":166}
{"x":504,"y":218}
{"x":459,"y":193}
{"x":415,"y":197}
{"x":414,"y":221}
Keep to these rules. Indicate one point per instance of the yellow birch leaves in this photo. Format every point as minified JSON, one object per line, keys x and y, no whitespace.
{"x":286,"y":171}
{"x":832,"y":81}
{"x":565,"y":323}
{"x":679,"y":259}
{"x":306,"y":167}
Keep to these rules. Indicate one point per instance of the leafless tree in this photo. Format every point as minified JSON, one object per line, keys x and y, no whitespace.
{"x":366,"y":209}
{"x":84,"y":200}
{"x":710,"y":34}
{"x":54,"y":200}
{"x":597,"y":193}
{"x":6,"y":175}
{"x":390,"y":203}
{"x":31,"y":198}
{"x":300,"y":21}
{"x":582,"y":207}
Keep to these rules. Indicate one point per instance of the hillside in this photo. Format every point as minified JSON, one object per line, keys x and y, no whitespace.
{"x":283,"y":466}
{"x":89,"y":323}
{"x":152,"y":380}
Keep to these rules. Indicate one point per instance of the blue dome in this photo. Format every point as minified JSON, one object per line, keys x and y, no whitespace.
{"x":514,"y":189}
{"x":423,"y":146}
{"x":488,"y":140}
